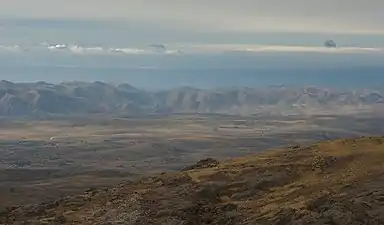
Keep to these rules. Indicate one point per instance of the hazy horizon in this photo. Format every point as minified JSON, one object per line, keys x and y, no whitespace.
{"x":155,"y":44}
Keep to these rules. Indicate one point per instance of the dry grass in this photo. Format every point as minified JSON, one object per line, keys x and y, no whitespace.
{"x":323,"y":182}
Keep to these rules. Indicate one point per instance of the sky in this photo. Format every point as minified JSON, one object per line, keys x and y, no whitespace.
{"x":70,"y":36}
{"x":342,"y":16}
{"x":226,"y":21}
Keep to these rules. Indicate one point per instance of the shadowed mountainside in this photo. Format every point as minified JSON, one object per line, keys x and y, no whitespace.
{"x":22,"y":99}
{"x":334,"y":182}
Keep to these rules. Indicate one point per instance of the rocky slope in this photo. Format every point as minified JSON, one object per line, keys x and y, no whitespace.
{"x":83,"y":98}
{"x":334,"y":182}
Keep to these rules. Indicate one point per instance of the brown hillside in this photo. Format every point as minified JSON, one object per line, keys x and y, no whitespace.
{"x":335,"y":182}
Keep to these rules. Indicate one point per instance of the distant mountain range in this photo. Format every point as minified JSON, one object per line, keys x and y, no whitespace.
{"x":26,"y":99}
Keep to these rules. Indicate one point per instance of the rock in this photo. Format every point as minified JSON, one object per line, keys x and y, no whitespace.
{"x":205,"y":163}
{"x":296,"y":146}
{"x":322,"y":162}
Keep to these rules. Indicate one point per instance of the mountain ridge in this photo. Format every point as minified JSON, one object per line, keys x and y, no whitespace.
{"x":42,"y":98}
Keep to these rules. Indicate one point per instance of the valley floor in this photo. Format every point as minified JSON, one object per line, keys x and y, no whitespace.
{"x":42,"y":160}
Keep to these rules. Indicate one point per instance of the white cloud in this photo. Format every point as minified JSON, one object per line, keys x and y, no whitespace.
{"x":128,"y":50}
{"x":228,"y":48}
{"x":78,"y":49}
{"x":312,"y":49}
{"x":190,"y":49}
{"x":84,"y":50}
{"x":57,"y":47}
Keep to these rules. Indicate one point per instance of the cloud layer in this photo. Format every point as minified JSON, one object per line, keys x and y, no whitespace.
{"x":186,"y":49}
{"x":342,"y":16}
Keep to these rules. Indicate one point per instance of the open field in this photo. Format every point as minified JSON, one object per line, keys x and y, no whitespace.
{"x":44,"y":159}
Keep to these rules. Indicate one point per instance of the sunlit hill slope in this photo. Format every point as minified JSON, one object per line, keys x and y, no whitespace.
{"x":333,"y":182}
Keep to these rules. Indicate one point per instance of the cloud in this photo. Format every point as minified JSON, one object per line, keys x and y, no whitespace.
{"x":78,"y":49}
{"x":342,"y":16}
{"x":10,"y":48}
{"x":134,"y":51}
{"x":57,"y":47}
{"x":84,"y":50}
{"x":187,"y":49}
{"x":244,"y":48}
{"x":312,"y":49}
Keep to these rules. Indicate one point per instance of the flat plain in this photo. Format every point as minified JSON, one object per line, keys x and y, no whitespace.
{"x":41,"y":160}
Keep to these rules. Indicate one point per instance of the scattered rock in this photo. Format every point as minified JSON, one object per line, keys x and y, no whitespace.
{"x":322,"y":162}
{"x":294,"y":146}
{"x":205,"y":163}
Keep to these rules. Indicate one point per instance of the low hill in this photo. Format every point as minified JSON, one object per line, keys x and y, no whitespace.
{"x":26,"y":99}
{"x":334,"y":182}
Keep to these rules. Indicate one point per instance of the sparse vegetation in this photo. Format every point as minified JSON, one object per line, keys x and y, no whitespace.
{"x":249,"y":190}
